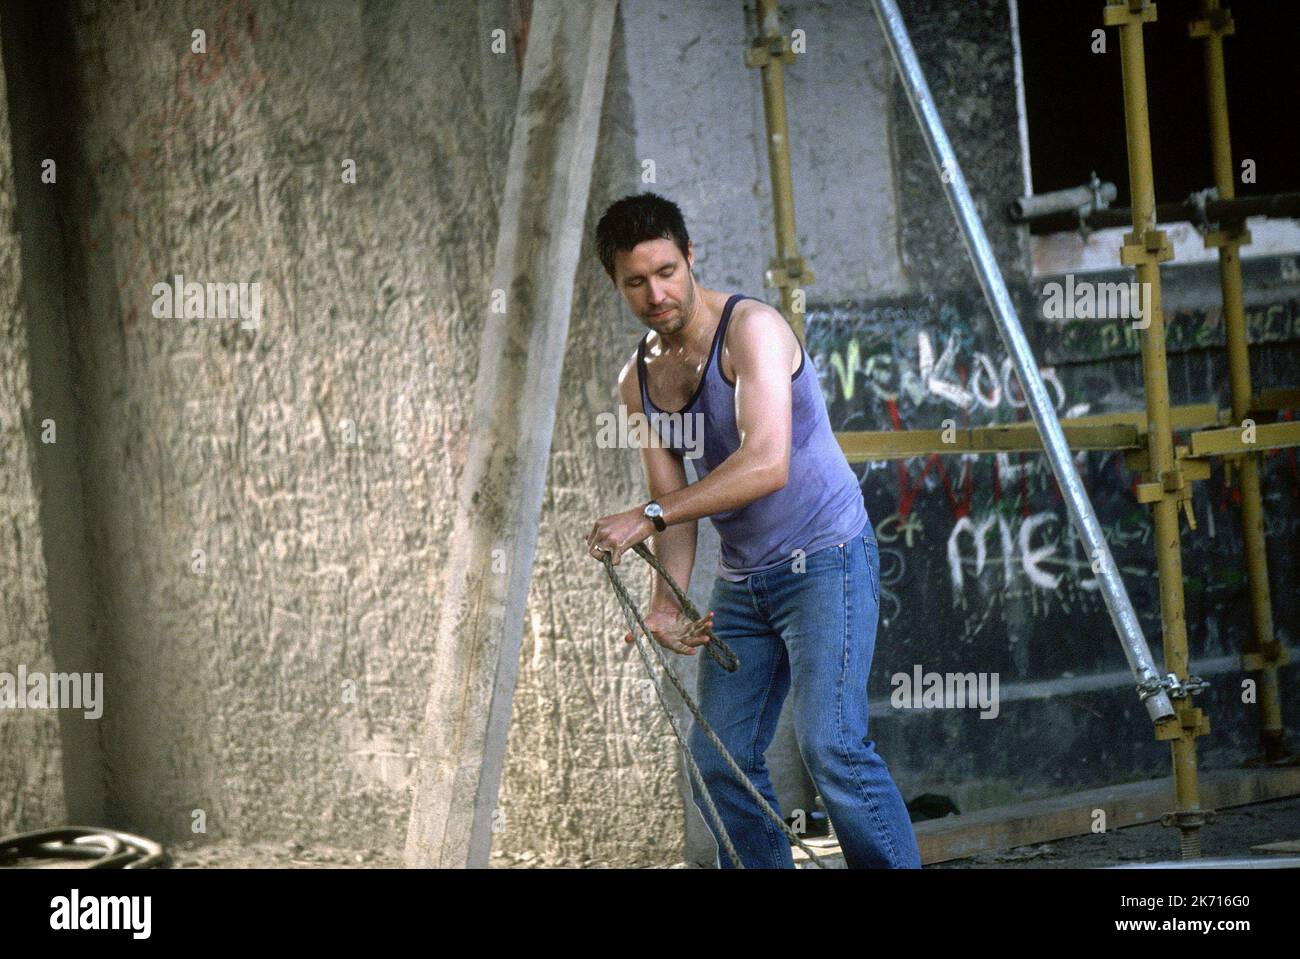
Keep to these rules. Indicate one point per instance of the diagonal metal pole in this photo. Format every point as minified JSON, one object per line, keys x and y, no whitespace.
{"x":1082,"y":514}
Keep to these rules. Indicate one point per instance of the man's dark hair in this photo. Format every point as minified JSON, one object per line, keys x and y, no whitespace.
{"x":635,"y":219}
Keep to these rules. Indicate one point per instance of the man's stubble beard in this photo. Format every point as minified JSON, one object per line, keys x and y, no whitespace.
{"x":687,"y":308}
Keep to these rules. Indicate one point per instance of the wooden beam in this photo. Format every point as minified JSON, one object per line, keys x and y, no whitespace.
{"x":1229,"y":441}
{"x":1103,"y":431}
{"x":1014,"y":438}
{"x":487,"y":573}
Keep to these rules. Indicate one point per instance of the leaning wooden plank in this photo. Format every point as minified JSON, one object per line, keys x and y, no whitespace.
{"x":481,"y":619}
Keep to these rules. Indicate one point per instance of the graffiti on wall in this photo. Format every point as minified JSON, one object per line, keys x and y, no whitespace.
{"x":977,"y":552}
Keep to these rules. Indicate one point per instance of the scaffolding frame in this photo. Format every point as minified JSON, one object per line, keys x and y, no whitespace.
{"x":1147,"y":437}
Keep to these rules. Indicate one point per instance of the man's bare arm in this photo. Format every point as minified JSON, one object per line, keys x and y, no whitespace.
{"x":664,"y":473}
{"x":762,"y":348}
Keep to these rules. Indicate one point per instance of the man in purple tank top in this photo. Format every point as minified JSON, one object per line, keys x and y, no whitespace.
{"x":724,"y":382}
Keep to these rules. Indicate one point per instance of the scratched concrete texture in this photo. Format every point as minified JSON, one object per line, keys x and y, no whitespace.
{"x":31,"y":778}
{"x":269,"y":508}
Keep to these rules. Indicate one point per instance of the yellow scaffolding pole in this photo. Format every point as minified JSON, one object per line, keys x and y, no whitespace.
{"x":1262,"y":653}
{"x":1165,"y":485}
{"x":787,"y":270}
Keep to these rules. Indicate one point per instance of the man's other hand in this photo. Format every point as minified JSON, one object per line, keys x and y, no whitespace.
{"x":672,"y":630}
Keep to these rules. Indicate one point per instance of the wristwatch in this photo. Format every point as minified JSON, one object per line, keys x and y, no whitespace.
{"x":656,"y":514}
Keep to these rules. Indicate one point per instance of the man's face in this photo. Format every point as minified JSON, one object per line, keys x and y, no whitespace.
{"x":657,"y":283}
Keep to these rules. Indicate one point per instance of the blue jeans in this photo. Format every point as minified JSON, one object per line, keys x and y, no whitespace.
{"x":813,"y":633}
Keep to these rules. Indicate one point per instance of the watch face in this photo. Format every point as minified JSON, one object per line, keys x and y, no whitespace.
{"x":654,"y":509}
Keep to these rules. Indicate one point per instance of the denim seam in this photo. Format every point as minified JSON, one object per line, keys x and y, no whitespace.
{"x":875,"y":575}
{"x":773,"y":835}
{"x":839,"y":729}
{"x":755,"y":603}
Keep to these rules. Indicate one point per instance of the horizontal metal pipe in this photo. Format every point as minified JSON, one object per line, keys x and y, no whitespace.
{"x":1059,"y":201}
{"x":1277,"y":205}
{"x":1031,"y":383}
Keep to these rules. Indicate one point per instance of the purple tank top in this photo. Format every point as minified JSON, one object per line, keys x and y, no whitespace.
{"x":821,"y":504}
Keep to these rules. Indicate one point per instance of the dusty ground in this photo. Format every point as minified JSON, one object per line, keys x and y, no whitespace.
{"x":228,"y":854}
{"x":1235,"y":832}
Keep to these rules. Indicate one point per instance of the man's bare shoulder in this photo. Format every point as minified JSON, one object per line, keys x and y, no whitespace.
{"x":755,"y":308}
{"x":758,"y":330}
{"x":755,"y":318}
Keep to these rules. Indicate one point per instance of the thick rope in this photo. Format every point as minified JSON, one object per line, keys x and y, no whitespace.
{"x":633,"y":619}
{"x":725,"y":658}
{"x":720,"y":651}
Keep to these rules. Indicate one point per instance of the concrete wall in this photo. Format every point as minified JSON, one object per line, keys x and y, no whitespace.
{"x":274,"y":681}
{"x":267,"y":509}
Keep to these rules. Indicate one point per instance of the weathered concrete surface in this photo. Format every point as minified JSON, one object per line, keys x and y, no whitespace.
{"x":31,"y":783}
{"x":966,"y":53}
{"x":273,"y":683}
{"x":51,"y":764}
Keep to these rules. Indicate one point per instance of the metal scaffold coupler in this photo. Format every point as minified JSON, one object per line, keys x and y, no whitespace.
{"x":1171,"y":684}
{"x":1189,"y":818}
